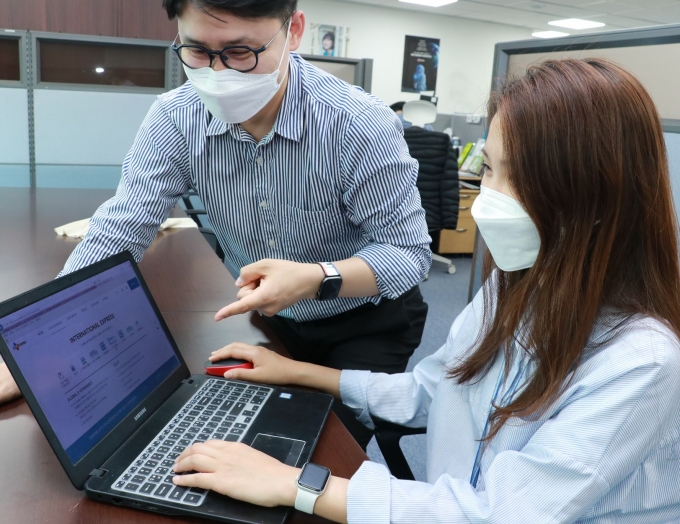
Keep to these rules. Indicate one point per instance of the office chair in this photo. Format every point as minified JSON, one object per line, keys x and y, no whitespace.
{"x":388,"y":435}
{"x":195,"y":214}
{"x":437,"y":175}
{"x":420,"y":112}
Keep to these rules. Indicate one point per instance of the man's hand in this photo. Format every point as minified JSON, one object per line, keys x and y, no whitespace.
{"x":238,"y":471}
{"x":270,"y":286}
{"x":8,"y":388}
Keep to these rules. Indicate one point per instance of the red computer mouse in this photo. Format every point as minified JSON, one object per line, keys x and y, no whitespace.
{"x":220,"y":367}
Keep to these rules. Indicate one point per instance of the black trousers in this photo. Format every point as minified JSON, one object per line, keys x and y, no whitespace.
{"x":377,"y":338}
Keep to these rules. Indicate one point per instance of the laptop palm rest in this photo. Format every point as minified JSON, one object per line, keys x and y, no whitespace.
{"x":286,"y":450}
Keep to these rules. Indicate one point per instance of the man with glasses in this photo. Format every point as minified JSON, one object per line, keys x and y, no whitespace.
{"x":306,"y":180}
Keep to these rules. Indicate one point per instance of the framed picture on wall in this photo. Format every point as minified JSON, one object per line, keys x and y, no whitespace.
{"x":421,"y":64}
{"x":329,"y":40}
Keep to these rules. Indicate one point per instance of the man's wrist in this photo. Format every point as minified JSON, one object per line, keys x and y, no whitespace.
{"x":315,"y":276}
{"x":8,"y":387}
{"x":9,"y":390}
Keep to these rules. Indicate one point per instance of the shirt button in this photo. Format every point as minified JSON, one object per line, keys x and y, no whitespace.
{"x":259,"y":161}
{"x":272,"y":242}
{"x":263,"y":204}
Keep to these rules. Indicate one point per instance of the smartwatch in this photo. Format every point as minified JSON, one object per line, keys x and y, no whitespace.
{"x":331,"y":284}
{"x":311,"y":483}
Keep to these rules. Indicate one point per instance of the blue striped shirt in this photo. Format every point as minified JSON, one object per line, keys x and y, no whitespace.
{"x":332,"y":180}
{"x":607,"y":451}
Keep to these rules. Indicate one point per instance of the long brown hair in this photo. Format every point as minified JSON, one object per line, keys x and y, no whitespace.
{"x":586,"y":157}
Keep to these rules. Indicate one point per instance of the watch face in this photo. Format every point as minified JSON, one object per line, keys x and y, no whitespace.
{"x":330,"y":288}
{"x":314,"y":477}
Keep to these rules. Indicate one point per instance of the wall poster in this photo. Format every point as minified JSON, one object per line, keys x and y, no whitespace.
{"x":329,"y":40}
{"x":421,"y":63}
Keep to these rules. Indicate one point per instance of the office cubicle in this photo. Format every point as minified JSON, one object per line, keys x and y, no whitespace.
{"x":356,"y":71}
{"x":652,"y":54}
{"x":671,"y":132}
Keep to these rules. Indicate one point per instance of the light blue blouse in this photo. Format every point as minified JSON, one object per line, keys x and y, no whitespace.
{"x":608,"y":450}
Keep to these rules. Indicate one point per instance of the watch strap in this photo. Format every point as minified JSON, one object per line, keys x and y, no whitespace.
{"x":329,"y":269}
{"x":305,"y":500}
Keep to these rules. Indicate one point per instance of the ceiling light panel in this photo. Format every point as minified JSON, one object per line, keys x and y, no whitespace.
{"x":548,"y":34}
{"x":576,"y":23}
{"x":430,"y":3}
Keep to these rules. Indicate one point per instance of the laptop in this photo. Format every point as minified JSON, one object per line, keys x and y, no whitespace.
{"x":109,"y":388}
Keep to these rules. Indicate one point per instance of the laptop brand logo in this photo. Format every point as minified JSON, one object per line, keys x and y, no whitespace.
{"x":140,"y":414}
{"x":17,"y":345}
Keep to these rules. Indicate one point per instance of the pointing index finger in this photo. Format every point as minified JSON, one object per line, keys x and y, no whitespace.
{"x":247,"y":303}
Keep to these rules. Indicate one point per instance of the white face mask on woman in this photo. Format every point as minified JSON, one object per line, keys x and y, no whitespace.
{"x":234,"y":97}
{"x":507,"y":229}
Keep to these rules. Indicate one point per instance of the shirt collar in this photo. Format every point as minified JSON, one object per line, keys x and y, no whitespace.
{"x":290,"y":119}
{"x":215,"y":126}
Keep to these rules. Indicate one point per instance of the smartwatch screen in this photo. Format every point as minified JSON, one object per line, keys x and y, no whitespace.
{"x":314,"y":477}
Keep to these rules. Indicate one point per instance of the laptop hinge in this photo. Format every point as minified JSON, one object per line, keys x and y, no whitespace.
{"x":99,"y":473}
{"x":188,"y":381}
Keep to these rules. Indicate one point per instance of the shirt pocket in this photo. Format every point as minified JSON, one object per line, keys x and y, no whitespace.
{"x":314,"y":236}
{"x":304,"y":216}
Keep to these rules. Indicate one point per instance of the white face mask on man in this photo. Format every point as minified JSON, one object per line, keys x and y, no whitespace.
{"x":507,"y":229}
{"x":234,"y":97}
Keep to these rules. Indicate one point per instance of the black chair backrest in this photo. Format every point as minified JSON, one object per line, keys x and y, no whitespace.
{"x":190,"y":199}
{"x":437,"y":176}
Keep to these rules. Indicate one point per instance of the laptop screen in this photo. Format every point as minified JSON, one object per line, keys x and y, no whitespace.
{"x":90,"y":354}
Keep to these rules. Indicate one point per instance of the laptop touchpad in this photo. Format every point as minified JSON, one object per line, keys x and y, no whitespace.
{"x":286,"y":450}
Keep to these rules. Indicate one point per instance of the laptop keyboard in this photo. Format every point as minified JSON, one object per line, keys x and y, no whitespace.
{"x":219,"y":410}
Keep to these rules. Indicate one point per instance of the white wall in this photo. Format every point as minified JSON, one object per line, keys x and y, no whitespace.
{"x":86,"y":127}
{"x":82,"y":137}
{"x":14,"y":154}
{"x":467,"y":47}
{"x":14,"y":126}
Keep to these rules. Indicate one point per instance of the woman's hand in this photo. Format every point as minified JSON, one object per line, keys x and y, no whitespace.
{"x":238,"y":471}
{"x":268,"y":366}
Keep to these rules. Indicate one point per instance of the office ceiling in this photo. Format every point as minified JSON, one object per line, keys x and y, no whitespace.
{"x":535,"y":14}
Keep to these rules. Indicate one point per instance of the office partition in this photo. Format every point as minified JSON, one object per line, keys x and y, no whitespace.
{"x":652,"y":54}
{"x":357,"y":71}
{"x":672,"y":136}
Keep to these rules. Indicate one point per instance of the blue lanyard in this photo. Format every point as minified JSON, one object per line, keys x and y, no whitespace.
{"x":507,"y":399}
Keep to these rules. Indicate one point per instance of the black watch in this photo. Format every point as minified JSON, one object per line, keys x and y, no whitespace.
{"x":331,"y":284}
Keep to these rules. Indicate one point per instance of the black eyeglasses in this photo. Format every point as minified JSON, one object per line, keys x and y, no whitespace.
{"x":240,"y":58}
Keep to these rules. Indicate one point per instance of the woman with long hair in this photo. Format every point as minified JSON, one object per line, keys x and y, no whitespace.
{"x":556,"y":397}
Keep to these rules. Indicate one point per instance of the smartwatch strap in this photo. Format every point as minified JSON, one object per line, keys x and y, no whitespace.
{"x":329,"y":269}
{"x":305,"y":500}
